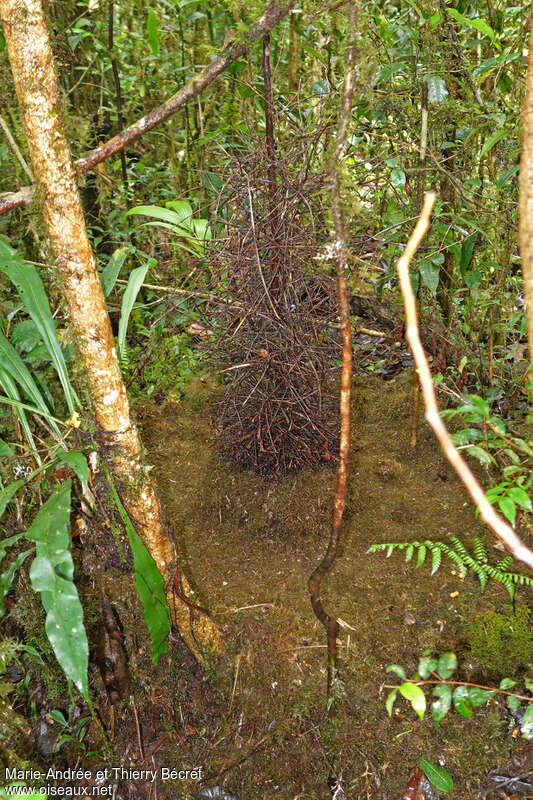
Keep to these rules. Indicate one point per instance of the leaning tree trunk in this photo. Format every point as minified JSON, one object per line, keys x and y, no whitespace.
{"x":525,"y":203}
{"x":32,"y":66}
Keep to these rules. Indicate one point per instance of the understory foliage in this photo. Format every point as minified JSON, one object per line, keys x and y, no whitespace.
{"x":437,"y":674}
{"x":476,"y":561}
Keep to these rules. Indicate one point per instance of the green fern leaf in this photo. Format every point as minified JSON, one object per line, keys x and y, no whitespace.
{"x":436,"y":559}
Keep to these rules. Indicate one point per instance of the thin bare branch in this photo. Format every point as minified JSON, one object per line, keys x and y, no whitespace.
{"x":498,"y":526}
{"x":339,"y":256}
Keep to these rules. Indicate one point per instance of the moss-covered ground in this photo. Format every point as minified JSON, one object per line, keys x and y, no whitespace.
{"x":249,"y":545}
{"x":256,"y":722}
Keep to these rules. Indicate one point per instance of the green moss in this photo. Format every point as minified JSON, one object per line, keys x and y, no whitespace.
{"x":502,"y":643}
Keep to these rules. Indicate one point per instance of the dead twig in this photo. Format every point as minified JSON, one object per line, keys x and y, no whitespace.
{"x":501,"y":529}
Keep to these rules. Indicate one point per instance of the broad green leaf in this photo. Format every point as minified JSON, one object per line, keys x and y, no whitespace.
{"x":441,"y":706}
{"x":507,"y":683}
{"x":479,"y":24}
{"x":461,"y":701}
{"x":447,"y":664}
{"x":415,"y":696}
{"x":527,"y":723}
{"x":112,"y":269}
{"x":528,"y":683}
{"x":25,"y":335}
{"x":495,"y":62}
{"x":437,"y":91}
{"x":493,"y":139}
{"x":51,"y":574}
{"x":58,"y":716}
{"x":482,"y":456}
{"x":437,"y":776}
{"x":151,"y":29}
{"x":398,"y":178}
{"x":508,"y":508}
{"x":391,"y":69}
{"x":150,"y":584}
{"x":6,"y":451}
{"x":170,"y":215}
{"x":397,"y":669}
{"x":478,"y":697}
{"x":391,"y":697}
{"x":188,"y":234}
{"x":513,"y":702}
{"x":78,"y":464}
{"x":135,"y":282}
{"x":426,"y":666}
{"x":473,"y":279}
{"x":520,"y":497}
{"x":184,"y":211}
{"x":31,"y":292}
{"x":429,"y":272}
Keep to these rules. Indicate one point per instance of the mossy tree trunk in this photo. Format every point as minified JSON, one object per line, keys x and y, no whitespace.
{"x":35,"y":81}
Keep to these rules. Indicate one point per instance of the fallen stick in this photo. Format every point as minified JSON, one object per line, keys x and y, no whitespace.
{"x":501,"y":529}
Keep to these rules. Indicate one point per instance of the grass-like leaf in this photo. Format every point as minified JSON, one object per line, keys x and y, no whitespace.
{"x":31,"y":292}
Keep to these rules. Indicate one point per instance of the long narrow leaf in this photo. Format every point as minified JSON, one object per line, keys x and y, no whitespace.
{"x":149,"y":582}
{"x":31,"y":291}
{"x":111,"y":271}
{"x":10,"y":388}
{"x":172,"y":216}
{"x":51,"y":574}
{"x":5,"y":496}
{"x":135,"y":282}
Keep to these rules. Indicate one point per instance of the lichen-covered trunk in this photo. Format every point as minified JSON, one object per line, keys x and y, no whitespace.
{"x":525,"y":203}
{"x":35,"y":81}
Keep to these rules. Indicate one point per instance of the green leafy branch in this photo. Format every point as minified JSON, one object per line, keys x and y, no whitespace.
{"x":463,"y":695}
{"x":477,"y":561}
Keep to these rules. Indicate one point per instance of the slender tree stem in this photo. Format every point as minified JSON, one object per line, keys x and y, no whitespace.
{"x":339,"y":255}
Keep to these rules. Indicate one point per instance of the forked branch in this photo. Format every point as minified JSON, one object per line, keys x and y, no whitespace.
{"x":501,"y":529}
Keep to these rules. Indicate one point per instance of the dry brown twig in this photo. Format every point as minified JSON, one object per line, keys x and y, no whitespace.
{"x":498,"y":526}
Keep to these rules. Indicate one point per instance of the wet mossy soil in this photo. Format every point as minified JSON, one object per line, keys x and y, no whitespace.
{"x":256,"y":723}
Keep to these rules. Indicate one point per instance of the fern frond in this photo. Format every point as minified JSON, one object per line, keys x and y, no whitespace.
{"x":479,"y":550}
{"x":436,"y":559}
{"x":477,"y":561}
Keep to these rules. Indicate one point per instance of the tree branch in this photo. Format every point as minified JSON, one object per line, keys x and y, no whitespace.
{"x":192,"y":89}
{"x":501,"y":529}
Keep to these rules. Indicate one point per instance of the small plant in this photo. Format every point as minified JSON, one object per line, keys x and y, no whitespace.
{"x":436,"y":673}
{"x":486,"y":437}
{"x":477,"y":561}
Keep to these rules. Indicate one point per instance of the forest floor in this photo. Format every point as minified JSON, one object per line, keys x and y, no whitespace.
{"x":255,"y":721}
{"x":257,"y":724}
